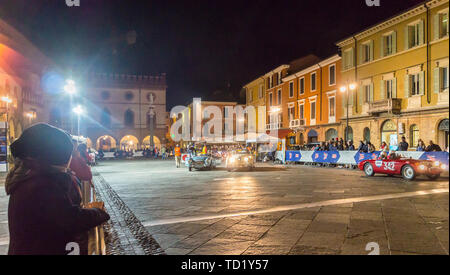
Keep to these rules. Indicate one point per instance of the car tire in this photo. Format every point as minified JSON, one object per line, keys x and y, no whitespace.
{"x":433,"y":177}
{"x":408,"y":172}
{"x":368,"y":169}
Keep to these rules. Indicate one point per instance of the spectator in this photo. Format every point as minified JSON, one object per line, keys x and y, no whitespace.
{"x":340,"y":146}
{"x":433,"y":147}
{"x":370,"y":147}
{"x":362,"y":147}
{"x":163,"y":152}
{"x":384,"y":146}
{"x":42,"y":217}
{"x":350,"y":146}
{"x":421,"y":147}
{"x":403,"y":146}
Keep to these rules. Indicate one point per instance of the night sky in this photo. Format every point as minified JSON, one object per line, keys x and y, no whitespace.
{"x":207,"y":48}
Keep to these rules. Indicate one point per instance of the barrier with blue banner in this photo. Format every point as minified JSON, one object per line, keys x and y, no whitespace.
{"x":355,"y":157}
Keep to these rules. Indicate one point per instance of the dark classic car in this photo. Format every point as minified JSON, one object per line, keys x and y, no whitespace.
{"x":202,"y":162}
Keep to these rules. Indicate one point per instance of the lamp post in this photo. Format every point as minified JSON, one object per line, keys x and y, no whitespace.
{"x":346,"y":89}
{"x":79,"y":111}
{"x":70,"y":89}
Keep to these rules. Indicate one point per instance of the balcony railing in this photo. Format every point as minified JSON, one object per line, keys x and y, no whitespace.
{"x":392,"y":105}
{"x":294,"y":123}
{"x":273,"y":126}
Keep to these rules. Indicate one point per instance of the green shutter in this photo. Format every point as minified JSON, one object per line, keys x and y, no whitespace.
{"x":437,"y":80}
{"x":394,"y":88}
{"x":406,"y":89}
{"x":371,"y":51}
{"x":422,"y":83}
{"x":421,"y":33}
{"x":394,"y":42}
{"x":382,"y":91}
{"x":360,"y":94}
{"x":406,"y":37}
{"x":360,"y":54}
{"x":371,"y":92}
{"x":382,"y":47}
{"x":436,"y":27}
{"x":352,"y":57}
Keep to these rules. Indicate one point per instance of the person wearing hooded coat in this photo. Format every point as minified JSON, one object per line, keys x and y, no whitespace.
{"x":42,"y":217}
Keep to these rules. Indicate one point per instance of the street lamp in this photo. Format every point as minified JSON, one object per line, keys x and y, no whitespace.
{"x":70,"y":87}
{"x":346,"y":89}
{"x":79,"y":111}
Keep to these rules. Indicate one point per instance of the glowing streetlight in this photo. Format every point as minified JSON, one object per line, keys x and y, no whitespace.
{"x":70,"y":87}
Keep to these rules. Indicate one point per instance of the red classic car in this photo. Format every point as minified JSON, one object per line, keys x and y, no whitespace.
{"x":408,"y":168}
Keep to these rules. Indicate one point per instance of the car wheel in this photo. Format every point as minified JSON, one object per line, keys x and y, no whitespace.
{"x":368,"y":169}
{"x":433,"y":177}
{"x":408,"y":172}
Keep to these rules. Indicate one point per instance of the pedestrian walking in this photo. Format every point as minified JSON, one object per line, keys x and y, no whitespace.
{"x":42,"y":218}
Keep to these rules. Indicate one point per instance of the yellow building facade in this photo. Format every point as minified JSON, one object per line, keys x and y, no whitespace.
{"x":255,"y":95}
{"x":400,"y":68}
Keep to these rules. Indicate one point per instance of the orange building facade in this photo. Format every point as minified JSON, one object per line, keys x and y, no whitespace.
{"x":303,"y":100}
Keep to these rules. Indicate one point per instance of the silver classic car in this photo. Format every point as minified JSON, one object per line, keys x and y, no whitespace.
{"x":202,"y":162}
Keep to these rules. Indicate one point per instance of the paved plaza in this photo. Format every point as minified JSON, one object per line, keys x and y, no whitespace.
{"x":271,"y":210}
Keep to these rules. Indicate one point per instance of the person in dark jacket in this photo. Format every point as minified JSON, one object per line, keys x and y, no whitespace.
{"x":433,"y":147}
{"x":42,"y":217}
{"x":403,"y":145}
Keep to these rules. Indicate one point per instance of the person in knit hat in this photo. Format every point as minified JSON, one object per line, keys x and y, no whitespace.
{"x":42,"y":218}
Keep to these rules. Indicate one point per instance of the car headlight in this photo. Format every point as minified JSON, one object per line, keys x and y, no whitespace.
{"x":443,"y":166}
{"x":436,"y":163}
{"x":422,"y":167}
{"x":232,"y":160}
{"x":246,"y":158}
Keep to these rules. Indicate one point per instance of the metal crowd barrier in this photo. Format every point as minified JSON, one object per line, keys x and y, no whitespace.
{"x":355,"y":157}
{"x":96,"y":237}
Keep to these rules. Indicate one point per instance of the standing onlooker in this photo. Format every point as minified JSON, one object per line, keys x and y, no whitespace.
{"x":163,"y":152}
{"x":177,"y":153}
{"x":403,"y":146}
{"x":421,"y":147}
{"x":383,"y":146}
{"x":433,"y":147}
{"x":42,"y":217}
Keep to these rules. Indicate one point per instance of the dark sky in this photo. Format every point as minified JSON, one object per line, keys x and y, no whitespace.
{"x":203,"y":46}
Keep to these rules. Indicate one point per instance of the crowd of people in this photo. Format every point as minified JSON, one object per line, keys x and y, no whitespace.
{"x":367,"y":147}
{"x":45,"y":211}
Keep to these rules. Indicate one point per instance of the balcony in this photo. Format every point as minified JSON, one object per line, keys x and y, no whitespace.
{"x":294,"y":123}
{"x":392,"y":105}
{"x":273,"y":126}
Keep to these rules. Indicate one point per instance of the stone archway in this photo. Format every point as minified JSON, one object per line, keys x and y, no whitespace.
{"x":156,"y":141}
{"x":443,"y":134}
{"x":129,"y":142}
{"x":313,"y":137}
{"x":106,"y":143}
{"x":389,"y":132}
{"x":331,"y":134}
